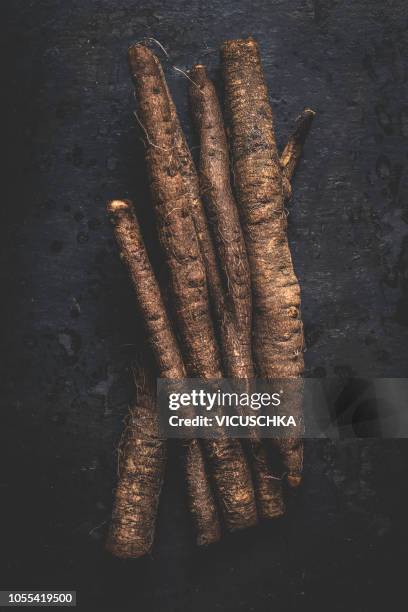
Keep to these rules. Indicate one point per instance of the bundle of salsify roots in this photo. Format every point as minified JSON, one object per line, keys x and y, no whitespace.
{"x":232,"y":304}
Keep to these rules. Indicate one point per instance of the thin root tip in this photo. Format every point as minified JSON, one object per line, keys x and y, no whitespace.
{"x":198,"y":68}
{"x":132,"y":49}
{"x":239,"y":42}
{"x":309,"y":111}
{"x":244,"y":524}
{"x":198,"y":74}
{"x":140,"y":54}
{"x":137,"y":46}
{"x":124,"y":552}
{"x":272,"y":513}
{"x":294,"y":480}
{"x":208,"y":540}
{"x":116,"y":205}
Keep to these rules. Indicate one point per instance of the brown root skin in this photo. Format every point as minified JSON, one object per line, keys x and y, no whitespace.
{"x":134,"y":256}
{"x":268,"y":486}
{"x":204,"y":514}
{"x":168,"y":362}
{"x":261,"y":192}
{"x":201,"y":501}
{"x":232,"y":301}
{"x":174,"y":193}
{"x":291,"y":448}
{"x":294,"y":481}
{"x":142,"y":456}
{"x":232,"y":482}
{"x":293,"y":151}
{"x":187,"y":246}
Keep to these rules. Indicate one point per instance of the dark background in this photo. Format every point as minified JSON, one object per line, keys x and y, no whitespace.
{"x":70,"y":142}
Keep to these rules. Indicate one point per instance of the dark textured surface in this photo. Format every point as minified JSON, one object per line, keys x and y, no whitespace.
{"x":69,"y":328}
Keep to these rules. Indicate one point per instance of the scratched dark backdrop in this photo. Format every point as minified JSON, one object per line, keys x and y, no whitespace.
{"x":70,"y":142}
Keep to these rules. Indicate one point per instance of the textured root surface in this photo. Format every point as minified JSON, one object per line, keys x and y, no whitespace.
{"x":278,"y":331}
{"x":234,"y":306}
{"x":168,"y":361}
{"x":232,"y":297}
{"x":134,"y":255}
{"x":141,"y":469}
{"x":188,"y":250}
{"x":233,"y":484}
{"x":201,"y":499}
{"x":174,"y":189}
{"x":268,"y":487}
{"x":292,"y":448}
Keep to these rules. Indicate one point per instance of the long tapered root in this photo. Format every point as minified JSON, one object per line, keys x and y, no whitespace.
{"x":232,"y":296}
{"x":168,"y":359}
{"x":148,"y":296}
{"x":232,"y":300}
{"x":175,"y":194}
{"x":186,"y":242}
{"x":260,"y":186}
